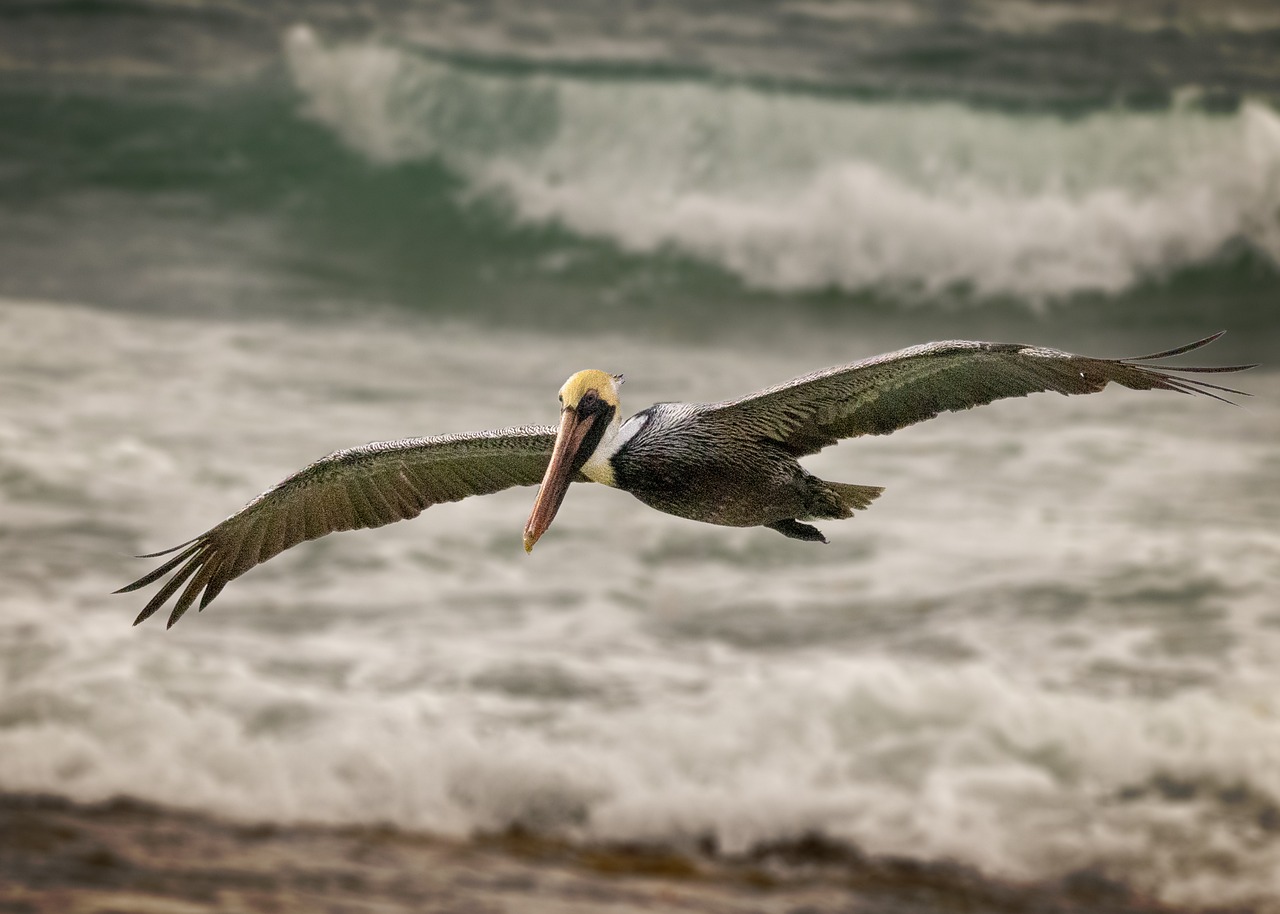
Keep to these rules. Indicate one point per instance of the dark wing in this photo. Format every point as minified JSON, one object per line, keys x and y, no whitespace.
{"x":360,"y":487}
{"x":885,"y":393}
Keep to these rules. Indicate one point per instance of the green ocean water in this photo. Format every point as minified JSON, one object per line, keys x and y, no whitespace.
{"x":318,"y":172}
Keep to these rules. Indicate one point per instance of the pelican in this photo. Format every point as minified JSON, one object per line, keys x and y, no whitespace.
{"x":733,"y":463}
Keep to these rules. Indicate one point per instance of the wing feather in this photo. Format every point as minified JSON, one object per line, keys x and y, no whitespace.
{"x":888,"y":392}
{"x":357,"y":488}
{"x":246,"y":550}
{"x":216,"y":584}
{"x":198,"y":582}
{"x":170,"y":586}
{"x":166,"y":567}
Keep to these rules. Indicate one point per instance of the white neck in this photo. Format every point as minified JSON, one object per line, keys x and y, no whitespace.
{"x":598,"y":467}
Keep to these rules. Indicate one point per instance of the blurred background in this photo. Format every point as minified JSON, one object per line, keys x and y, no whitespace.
{"x":235,"y":237}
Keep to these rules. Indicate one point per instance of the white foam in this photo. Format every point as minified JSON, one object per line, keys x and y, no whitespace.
{"x":793,"y":192}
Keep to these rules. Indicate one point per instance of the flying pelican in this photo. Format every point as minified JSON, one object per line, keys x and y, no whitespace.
{"x":732,"y":463}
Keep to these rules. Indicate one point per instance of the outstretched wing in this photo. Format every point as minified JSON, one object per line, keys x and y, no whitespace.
{"x":360,"y":487}
{"x":885,"y":393}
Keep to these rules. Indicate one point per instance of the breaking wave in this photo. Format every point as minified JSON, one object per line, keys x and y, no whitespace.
{"x":794,"y":192}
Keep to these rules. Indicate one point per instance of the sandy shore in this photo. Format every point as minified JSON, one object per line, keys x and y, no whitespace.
{"x":125,"y":856}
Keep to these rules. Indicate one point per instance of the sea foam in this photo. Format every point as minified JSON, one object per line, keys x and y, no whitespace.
{"x":1029,"y":655}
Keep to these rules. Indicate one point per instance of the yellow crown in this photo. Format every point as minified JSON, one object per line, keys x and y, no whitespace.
{"x":604,"y":384}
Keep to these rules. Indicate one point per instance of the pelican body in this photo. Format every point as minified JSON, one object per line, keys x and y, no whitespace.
{"x":733,"y":463}
{"x":695,"y":461}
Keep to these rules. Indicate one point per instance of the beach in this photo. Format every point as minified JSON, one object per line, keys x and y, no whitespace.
{"x":58,"y":856}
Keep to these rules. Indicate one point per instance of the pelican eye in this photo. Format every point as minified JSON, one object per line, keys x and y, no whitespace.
{"x":590,"y":400}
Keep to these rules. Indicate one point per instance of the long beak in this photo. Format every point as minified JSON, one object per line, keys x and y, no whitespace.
{"x":558,"y":476}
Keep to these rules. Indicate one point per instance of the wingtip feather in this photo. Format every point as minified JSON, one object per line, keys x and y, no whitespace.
{"x":156,"y":555}
{"x":1189,"y":347}
{"x":154,"y":575}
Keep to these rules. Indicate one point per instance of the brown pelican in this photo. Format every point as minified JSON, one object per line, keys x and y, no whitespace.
{"x":733,"y":463}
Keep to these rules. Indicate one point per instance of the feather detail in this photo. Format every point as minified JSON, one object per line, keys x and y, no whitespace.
{"x":888,"y":392}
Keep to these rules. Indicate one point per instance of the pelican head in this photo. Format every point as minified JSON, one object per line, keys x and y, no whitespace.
{"x":588,"y":408}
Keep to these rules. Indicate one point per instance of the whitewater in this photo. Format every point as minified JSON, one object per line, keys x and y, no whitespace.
{"x":1051,"y":646}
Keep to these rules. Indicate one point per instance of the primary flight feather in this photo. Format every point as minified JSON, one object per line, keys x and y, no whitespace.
{"x":732,"y":463}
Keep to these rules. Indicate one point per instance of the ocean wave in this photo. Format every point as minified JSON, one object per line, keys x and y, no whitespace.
{"x":897,"y":758}
{"x":796,"y":192}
